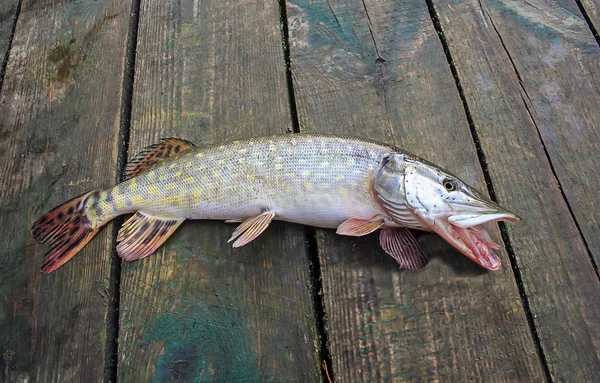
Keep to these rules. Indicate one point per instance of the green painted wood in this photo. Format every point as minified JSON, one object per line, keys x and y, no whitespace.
{"x":199,"y":310}
{"x":60,"y":107}
{"x":377,"y":69}
{"x":8,"y":12}
{"x":554,"y":95}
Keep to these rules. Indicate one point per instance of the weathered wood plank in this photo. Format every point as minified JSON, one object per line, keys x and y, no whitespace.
{"x":199,"y":310}
{"x":592,"y":9}
{"x":527,"y":74}
{"x":8,"y":12}
{"x":60,"y":107}
{"x":383,"y":74}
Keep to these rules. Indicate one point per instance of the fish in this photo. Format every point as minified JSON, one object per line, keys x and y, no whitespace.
{"x":354,"y":185}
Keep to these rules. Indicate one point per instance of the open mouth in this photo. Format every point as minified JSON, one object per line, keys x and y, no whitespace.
{"x":473,"y":241}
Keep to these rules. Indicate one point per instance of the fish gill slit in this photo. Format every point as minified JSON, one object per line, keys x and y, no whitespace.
{"x":486,"y":173}
{"x":111,"y":361}
{"x":10,"y":42}
{"x":321,"y":319}
{"x":285,"y":44}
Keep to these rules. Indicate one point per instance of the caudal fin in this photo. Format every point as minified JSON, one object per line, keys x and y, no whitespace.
{"x":66,"y":229}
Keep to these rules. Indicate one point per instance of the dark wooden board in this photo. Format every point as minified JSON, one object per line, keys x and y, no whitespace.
{"x":554,"y":95}
{"x":199,"y":310}
{"x":60,"y":107}
{"x":377,"y":69}
{"x":8,"y":12}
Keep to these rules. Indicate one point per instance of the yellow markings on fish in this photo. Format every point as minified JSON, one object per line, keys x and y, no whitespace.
{"x":305,"y":173}
{"x":153,"y":190}
{"x":173,"y":166}
{"x":133,"y":185}
{"x":308,"y":186}
{"x":171,"y":186}
{"x":242,"y":151}
{"x":120,"y":202}
{"x":221,"y":162}
{"x":251,"y":176}
{"x":190,"y":180}
{"x":278,"y":166}
{"x":221,"y":147}
{"x":171,"y":199}
{"x":137,"y":199}
{"x":339,"y":177}
{"x":216,"y":173}
{"x":196,"y":195}
{"x":178,"y":174}
{"x":199,"y":155}
{"x":151,"y":174}
{"x":241,"y":160}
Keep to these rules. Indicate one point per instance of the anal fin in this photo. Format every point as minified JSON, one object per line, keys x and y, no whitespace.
{"x":143,"y":234}
{"x":358,"y":227}
{"x":403,"y":247}
{"x":251,"y":228}
{"x":152,"y":154}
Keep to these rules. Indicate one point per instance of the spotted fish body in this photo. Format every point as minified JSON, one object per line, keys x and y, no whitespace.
{"x":314,"y":180}
{"x":318,"y":180}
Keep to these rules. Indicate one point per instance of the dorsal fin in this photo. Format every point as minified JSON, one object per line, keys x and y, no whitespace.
{"x":152,"y":154}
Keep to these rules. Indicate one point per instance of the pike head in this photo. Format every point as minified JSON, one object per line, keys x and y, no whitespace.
{"x":416,"y":193}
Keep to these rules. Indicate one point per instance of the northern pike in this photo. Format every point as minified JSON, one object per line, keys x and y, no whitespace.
{"x":354,"y":185}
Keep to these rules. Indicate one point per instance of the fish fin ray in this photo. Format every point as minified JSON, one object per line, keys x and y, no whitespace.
{"x":66,"y":229}
{"x":251,"y":228}
{"x":358,"y":227}
{"x":143,"y":234}
{"x":153,"y":154}
{"x":401,"y":245}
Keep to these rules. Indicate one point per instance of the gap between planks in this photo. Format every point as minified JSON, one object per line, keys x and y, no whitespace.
{"x":327,"y":373}
{"x":588,"y":20}
{"x":10,"y":41}
{"x":111,"y":361}
{"x":490,"y":187}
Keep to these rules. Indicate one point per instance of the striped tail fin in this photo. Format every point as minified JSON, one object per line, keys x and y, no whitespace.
{"x":66,"y":229}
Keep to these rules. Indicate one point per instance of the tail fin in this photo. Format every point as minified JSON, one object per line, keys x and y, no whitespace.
{"x":66,"y":229}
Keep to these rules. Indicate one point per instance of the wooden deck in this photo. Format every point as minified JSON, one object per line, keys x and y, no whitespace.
{"x":504,"y":93}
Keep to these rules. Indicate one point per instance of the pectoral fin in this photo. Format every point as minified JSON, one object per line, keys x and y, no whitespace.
{"x":143,"y":234}
{"x":358,"y":227}
{"x":251,"y":228}
{"x":403,"y":247}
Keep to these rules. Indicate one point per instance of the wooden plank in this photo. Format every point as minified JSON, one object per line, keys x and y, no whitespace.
{"x":526,"y":75}
{"x":199,"y":310}
{"x":60,"y":107}
{"x":377,"y":69}
{"x":8,"y":12}
{"x":592,"y":10}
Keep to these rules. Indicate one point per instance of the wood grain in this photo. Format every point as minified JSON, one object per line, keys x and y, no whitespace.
{"x":524,"y":77}
{"x":60,"y":107}
{"x":377,"y":69}
{"x":199,"y":310}
{"x":592,"y":9}
{"x":8,"y":12}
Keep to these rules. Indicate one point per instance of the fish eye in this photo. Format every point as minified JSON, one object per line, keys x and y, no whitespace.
{"x":449,"y":184}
